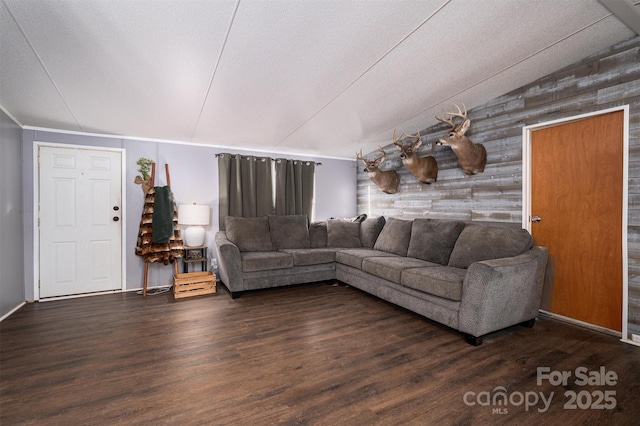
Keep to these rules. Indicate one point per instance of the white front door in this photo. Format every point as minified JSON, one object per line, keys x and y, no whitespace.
{"x":80,"y":220}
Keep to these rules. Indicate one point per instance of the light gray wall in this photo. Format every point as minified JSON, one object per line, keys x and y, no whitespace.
{"x":194,"y":179}
{"x":606,"y":80}
{"x":11,"y":247}
{"x":335,"y":189}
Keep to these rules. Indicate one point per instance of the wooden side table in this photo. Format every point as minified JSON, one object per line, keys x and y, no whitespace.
{"x":197,"y":254}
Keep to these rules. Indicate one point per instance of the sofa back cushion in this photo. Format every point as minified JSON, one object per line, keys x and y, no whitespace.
{"x":395,"y":236}
{"x":370,"y":230}
{"x":318,"y":234}
{"x":249,"y":233}
{"x":483,"y":242}
{"x":433,"y":239}
{"x":343,"y":233}
{"x":289,"y":232}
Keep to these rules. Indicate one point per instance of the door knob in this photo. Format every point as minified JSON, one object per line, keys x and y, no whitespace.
{"x":536,"y":218}
{"x":116,"y":218}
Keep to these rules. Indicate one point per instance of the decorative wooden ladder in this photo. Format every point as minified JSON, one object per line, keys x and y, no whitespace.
{"x":146,"y":263}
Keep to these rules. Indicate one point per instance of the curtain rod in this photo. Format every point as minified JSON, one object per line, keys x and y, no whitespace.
{"x":272,"y":159}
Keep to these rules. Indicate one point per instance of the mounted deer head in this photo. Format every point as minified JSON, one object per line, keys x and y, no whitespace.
{"x":472,"y":157}
{"x":425,"y":169}
{"x":386,"y":180}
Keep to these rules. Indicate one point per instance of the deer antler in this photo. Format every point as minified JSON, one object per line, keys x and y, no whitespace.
{"x":449,"y":121}
{"x":452,"y":114}
{"x":416,"y":136}
{"x":396,"y":141}
{"x":360,"y":157}
{"x":459,"y":113}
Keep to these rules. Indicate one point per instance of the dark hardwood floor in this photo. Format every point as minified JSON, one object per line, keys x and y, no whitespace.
{"x":312,"y":354}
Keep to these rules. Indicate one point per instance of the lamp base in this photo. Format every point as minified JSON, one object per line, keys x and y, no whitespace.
{"x":194,"y":236}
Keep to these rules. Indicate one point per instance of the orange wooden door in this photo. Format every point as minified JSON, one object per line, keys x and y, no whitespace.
{"x":576,"y":190}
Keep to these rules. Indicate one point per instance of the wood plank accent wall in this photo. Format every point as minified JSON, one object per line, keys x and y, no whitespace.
{"x":605,"y":80}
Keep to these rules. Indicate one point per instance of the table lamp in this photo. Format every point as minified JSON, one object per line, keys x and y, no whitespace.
{"x":195,"y":216}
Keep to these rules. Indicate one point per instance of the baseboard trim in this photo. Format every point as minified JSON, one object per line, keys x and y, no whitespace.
{"x":582,"y":324}
{"x":2,"y":318}
{"x":99,"y":293}
{"x":77,"y":296}
{"x":631,"y":342}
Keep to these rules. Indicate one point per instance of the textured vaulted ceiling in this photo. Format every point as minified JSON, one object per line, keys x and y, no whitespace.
{"x":320,"y":77}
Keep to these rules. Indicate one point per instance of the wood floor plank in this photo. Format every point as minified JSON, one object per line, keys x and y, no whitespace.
{"x":313,"y":354}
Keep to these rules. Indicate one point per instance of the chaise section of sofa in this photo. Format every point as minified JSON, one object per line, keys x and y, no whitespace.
{"x":473,"y":278}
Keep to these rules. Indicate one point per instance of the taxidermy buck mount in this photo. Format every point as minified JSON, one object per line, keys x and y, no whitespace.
{"x":472,"y":157}
{"x":386,"y":180}
{"x":425,"y":169}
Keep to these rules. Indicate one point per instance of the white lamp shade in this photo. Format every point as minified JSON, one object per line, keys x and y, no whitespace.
{"x":193,"y":214}
{"x":196,"y":216}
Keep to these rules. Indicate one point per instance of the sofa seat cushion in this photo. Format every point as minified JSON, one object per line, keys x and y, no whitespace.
{"x":253,"y":261}
{"x":443,"y":281}
{"x":391,"y":267}
{"x":354,"y":257}
{"x":316,"y":256}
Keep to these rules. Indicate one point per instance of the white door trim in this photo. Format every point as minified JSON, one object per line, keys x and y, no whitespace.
{"x":36,"y":214}
{"x":526,"y":194}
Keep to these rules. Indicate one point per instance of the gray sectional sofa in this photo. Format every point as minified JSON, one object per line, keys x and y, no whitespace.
{"x":471,"y":277}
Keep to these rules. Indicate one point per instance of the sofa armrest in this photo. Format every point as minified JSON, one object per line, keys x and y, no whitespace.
{"x":499,"y":293}
{"x":229,"y":262}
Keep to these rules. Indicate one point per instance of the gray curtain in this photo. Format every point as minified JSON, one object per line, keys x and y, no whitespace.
{"x":246,"y":188}
{"x":295,"y":181}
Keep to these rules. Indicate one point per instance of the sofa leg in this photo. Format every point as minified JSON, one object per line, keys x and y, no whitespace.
{"x":473,"y":340}
{"x":235,"y":294}
{"x":528,"y":324}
